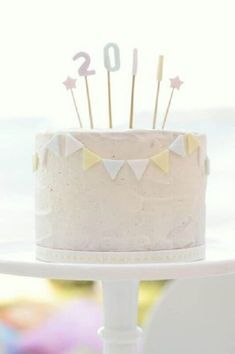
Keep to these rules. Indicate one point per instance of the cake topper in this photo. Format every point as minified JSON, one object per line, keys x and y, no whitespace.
{"x":159,"y":79}
{"x":175,"y":84}
{"x":111,"y":66}
{"x":111,"y":56}
{"x":70,"y":84}
{"x":85,"y":72}
{"x":134,"y":72}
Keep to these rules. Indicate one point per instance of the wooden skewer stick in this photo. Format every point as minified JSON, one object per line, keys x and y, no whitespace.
{"x":132,"y":102}
{"x":159,"y":79}
{"x":109,"y":101}
{"x":85,"y":71}
{"x":134,"y":72}
{"x":89,"y":103}
{"x":175,"y":84}
{"x":70,"y":84}
{"x":156,"y":105}
{"x":76,"y":108}
{"x":167,"y":109}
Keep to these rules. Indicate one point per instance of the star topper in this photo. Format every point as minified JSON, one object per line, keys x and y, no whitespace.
{"x":176,"y":82}
{"x":70,"y":83}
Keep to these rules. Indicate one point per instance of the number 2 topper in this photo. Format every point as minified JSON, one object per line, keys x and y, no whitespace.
{"x":84,"y":71}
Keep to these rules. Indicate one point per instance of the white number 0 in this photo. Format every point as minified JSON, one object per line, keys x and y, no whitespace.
{"x":115,"y":64}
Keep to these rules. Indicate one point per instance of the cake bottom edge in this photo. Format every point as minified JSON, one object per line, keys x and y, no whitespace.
{"x":171,"y":256}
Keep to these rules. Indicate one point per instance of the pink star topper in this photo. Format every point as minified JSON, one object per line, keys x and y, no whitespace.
{"x":176,"y":83}
{"x":70,"y":83}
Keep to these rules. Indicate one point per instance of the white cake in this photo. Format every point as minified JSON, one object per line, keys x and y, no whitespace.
{"x":120,"y":196}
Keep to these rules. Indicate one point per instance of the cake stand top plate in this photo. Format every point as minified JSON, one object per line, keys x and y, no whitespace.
{"x":18,"y":258}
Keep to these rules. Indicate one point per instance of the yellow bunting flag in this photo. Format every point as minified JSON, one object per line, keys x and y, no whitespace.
{"x":89,"y":159}
{"x":162,"y":160}
{"x":192,"y":143}
{"x":35,"y":162}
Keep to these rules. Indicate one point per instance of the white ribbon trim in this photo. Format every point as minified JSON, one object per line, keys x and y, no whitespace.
{"x":69,"y":256}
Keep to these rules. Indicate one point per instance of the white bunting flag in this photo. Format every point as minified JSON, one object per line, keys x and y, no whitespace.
{"x":178,"y":146}
{"x":71,"y":145}
{"x":55,"y":145}
{"x":138,"y":167}
{"x":113,"y":167}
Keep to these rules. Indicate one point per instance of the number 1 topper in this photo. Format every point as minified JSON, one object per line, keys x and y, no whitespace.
{"x":134,"y":72}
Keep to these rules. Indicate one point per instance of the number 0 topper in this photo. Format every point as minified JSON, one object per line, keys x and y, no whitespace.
{"x":110,"y":67}
{"x":85,"y":72}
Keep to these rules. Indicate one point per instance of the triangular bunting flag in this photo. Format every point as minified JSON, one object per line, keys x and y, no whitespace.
{"x":35,"y":162}
{"x":71,"y":145}
{"x":55,"y":145}
{"x":138,"y":167}
{"x":178,"y":146}
{"x":113,"y":167}
{"x":192,"y":143}
{"x":89,"y":159}
{"x":162,"y":160}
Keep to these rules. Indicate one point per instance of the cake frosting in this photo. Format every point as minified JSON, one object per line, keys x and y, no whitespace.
{"x":120,"y":196}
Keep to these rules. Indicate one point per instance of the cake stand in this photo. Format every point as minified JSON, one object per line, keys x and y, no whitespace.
{"x":120,"y":283}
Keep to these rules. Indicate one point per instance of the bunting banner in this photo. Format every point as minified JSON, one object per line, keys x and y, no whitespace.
{"x":162,"y":160}
{"x":64,"y":145}
{"x":113,"y":167}
{"x":138,"y":167}
{"x":178,"y":146}
{"x":89,"y":159}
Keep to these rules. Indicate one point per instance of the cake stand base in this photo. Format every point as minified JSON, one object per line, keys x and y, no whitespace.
{"x":120,"y":283}
{"x":120,"y":333}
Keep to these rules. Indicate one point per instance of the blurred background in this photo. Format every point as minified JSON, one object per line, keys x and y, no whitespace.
{"x":38,"y":40}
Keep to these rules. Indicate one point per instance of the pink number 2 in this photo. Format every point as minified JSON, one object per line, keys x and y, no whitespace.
{"x":83,"y":70}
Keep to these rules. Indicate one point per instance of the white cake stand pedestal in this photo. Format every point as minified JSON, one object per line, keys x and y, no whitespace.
{"x":120,"y":282}
{"x":120,"y":334}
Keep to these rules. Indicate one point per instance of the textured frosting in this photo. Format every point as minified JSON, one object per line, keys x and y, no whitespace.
{"x":88,"y":211}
